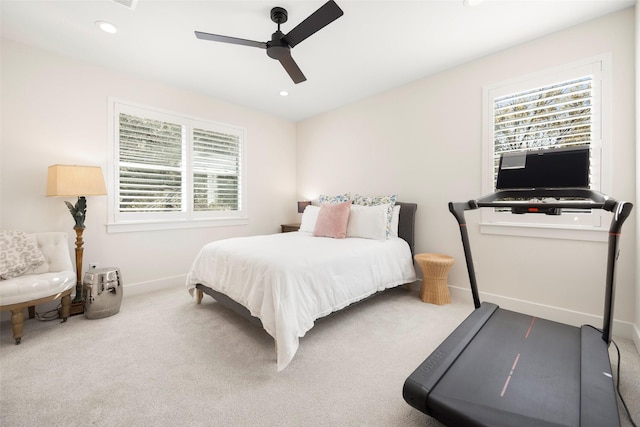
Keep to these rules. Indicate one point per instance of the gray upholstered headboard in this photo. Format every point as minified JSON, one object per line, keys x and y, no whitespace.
{"x":406,"y":223}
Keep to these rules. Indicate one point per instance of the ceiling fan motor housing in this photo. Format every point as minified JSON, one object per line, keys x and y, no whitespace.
{"x":277,"y":47}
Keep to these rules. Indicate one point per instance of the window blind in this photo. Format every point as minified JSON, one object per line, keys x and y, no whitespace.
{"x":553,"y":116}
{"x":216,"y":171}
{"x":151,"y":165}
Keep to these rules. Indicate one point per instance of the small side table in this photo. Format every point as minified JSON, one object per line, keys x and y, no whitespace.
{"x":286,"y":228}
{"x":435,"y":269}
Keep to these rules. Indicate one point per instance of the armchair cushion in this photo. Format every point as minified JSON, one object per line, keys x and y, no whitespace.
{"x":32,"y":287}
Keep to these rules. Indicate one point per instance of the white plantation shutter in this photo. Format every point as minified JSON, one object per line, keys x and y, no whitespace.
{"x":216,"y":170}
{"x":150,"y":166}
{"x":174,"y":168}
{"x":553,"y":116}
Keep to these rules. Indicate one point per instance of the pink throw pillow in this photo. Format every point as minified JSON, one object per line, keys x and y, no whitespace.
{"x":332,"y":220}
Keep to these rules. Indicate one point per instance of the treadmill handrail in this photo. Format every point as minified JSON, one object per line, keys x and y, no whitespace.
{"x":591,"y":200}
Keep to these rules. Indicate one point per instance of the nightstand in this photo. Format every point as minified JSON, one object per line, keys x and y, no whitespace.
{"x":286,"y":228}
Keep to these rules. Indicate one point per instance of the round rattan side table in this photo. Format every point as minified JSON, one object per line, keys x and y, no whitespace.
{"x":435,"y":269}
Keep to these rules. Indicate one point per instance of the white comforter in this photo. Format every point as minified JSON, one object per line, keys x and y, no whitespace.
{"x":289,"y":280}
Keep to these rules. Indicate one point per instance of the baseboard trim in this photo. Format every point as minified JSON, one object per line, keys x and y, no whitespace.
{"x":620,"y":328}
{"x":140,"y":288}
{"x":636,"y":337}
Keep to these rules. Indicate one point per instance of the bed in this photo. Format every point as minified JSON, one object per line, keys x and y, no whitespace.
{"x":285,"y":282}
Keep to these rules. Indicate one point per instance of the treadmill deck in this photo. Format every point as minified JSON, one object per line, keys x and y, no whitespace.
{"x":500,"y":367}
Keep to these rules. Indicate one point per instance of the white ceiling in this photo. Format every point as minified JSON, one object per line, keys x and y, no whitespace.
{"x":375,"y":46}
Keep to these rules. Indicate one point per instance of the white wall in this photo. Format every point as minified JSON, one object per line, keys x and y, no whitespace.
{"x":636,"y":335}
{"x":423,"y":142}
{"x":54,"y":110}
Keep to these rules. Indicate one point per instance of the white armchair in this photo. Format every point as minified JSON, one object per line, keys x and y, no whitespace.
{"x":34,"y":268}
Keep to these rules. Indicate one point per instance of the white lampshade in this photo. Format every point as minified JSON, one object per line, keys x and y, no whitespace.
{"x":72,"y":180}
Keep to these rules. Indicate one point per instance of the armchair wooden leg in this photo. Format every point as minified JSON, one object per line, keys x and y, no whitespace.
{"x":66,"y":305}
{"x":199,"y":295}
{"x":17,"y":311}
{"x":17,"y":322}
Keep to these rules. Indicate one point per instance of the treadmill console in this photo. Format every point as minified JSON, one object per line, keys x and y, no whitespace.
{"x":555,"y":168}
{"x":545,"y":168}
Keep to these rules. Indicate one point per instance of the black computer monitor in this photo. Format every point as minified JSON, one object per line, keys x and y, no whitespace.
{"x":544,"y":168}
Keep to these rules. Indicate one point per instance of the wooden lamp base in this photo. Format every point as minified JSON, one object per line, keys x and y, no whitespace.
{"x":77,"y":307}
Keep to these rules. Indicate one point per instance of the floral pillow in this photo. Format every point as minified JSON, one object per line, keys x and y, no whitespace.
{"x":395,"y":221}
{"x":379,"y":200}
{"x":18,"y":254}
{"x":332,"y":200}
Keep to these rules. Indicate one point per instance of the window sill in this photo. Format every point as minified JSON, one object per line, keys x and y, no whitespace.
{"x":133,"y":226}
{"x":549,"y":232}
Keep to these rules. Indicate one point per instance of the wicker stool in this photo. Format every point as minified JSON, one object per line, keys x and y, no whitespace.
{"x":435,"y":268}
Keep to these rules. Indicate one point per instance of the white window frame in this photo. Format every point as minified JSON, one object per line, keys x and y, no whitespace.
{"x":570,"y":225}
{"x":187,"y":218}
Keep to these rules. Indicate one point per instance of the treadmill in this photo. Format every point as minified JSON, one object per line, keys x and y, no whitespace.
{"x":503,"y":368}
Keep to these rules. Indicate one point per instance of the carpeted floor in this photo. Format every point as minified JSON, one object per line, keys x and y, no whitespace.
{"x":164,"y":361}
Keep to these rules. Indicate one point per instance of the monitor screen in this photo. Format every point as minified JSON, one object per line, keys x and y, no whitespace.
{"x":547,"y":168}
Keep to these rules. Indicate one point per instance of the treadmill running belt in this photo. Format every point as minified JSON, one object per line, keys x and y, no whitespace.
{"x":531,"y":374}
{"x":502,"y":368}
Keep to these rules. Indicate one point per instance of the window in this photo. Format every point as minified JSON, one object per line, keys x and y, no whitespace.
{"x":554,"y":116}
{"x":172,"y":171}
{"x":565,"y":107}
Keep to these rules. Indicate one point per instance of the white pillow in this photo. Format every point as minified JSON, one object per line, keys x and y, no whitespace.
{"x":395,"y":220}
{"x":309,"y":217}
{"x":390,"y":201}
{"x":368,"y":222}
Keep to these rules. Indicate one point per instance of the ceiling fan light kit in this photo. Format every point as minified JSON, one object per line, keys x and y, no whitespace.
{"x":279,"y":47}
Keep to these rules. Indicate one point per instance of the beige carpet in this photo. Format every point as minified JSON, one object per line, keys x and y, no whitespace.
{"x":164,"y":361}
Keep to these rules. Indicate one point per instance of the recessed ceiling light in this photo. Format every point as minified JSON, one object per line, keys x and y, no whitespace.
{"x":284,"y":93}
{"x":471,"y":3}
{"x":107,"y":27}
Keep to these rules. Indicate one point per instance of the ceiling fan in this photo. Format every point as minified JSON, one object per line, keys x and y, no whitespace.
{"x":279,"y":47}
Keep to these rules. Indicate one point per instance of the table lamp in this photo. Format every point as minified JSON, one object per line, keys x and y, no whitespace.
{"x":76,"y":181}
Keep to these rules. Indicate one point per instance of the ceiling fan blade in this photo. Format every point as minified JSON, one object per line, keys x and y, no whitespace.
{"x":292,"y":68}
{"x":319,"y":19}
{"x":232,"y":40}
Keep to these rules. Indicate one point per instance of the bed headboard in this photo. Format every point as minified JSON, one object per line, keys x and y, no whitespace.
{"x":406,"y":223}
